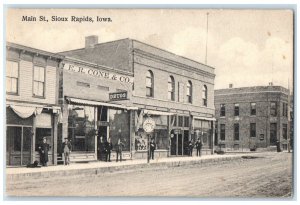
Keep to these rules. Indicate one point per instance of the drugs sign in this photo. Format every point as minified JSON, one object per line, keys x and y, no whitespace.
{"x":118,"y":96}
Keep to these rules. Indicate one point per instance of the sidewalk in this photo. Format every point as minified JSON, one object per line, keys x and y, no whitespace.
{"x":23,"y":173}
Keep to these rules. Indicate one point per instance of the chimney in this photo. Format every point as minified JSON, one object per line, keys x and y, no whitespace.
{"x":91,"y":41}
{"x":230,"y":85}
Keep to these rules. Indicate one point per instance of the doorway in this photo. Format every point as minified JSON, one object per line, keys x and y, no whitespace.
{"x":101,"y":138}
{"x":18,"y":145}
{"x":179,"y":143}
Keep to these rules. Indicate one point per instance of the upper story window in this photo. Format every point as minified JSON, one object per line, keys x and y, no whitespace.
{"x":222,"y":110}
{"x":273,"y":109}
{"x":284,"y":109}
{"x":12,"y":77}
{"x":149,"y":84}
{"x":189,"y":89}
{"x":253,"y":108}
{"x":236,"y":109}
{"x":171,"y":88}
{"x":204,"y":95}
{"x":38,"y":81}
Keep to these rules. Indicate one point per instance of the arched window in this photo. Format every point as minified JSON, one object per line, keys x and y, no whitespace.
{"x":171,"y":88}
{"x":204,"y":95}
{"x":189,"y":89}
{"x":149,"y":84}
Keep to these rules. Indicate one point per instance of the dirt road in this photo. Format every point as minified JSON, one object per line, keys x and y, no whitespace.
{"x":268,"y":176}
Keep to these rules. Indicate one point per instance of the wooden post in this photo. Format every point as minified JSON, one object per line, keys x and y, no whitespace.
{"x":54,"y":150}
{"x":33,"y":140}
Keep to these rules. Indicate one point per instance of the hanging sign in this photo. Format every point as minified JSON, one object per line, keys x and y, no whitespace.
{"x":118,"y":96}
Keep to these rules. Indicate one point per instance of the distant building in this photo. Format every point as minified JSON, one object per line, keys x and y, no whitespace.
{"x":250,"y":117}
{"x":32,"y":107}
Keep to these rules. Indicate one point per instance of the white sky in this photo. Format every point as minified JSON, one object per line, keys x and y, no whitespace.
{"x":242,"y":44}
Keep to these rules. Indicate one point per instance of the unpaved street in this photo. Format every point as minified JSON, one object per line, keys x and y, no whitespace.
{"x":268,"y":176}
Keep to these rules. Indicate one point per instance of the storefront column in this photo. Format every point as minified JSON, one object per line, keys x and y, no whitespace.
{"x":213,"y":136}
{"x":95,"y":127}
{"x":169,"y":135}
{"x":132,"y":132}
{"x":54,"y":150}
{"x":32,"y":151}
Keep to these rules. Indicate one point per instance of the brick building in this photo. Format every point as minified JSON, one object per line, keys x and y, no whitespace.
{"x":176,"y":92}
{"x":32,"y":107}
{"x":250,"y":117}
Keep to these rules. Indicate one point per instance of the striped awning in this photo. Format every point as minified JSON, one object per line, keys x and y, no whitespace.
{"x":97,"y":103}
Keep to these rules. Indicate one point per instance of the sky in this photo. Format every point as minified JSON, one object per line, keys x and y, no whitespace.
{"x":246,"y":47}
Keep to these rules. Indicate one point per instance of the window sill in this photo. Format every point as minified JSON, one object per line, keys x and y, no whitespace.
{"x":15,"y":94}
{"x":40,"y":97}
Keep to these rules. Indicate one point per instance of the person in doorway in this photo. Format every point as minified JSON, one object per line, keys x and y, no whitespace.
{"x":198,"y":147}
{"x":190,"y":147}
{"x":119,"y":149}
{"x":101,"y":149}
{"x":152,"y":148}
{"x":44,"y":148}
{"x":108,"y":148}
{"x":67,"y":148}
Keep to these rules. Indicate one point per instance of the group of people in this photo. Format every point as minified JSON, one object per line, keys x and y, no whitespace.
{"x":198,"y":146}
{"x":105,"y":148}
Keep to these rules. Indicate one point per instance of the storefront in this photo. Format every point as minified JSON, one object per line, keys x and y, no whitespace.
{"x":27,"y":125}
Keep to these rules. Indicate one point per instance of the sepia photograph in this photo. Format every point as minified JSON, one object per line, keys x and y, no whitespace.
{"x":135,"y":102}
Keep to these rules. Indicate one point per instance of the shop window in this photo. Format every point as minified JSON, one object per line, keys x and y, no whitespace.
{"x":81,"y":130}
{"x":222,"y":131}
{"x":149,"y":84}
{"x":119,"y":127}
{"x":236,"y":131}
{"x":171,"y":88}
{"x":40,"y":134}
{"x":236,"y":109}
{"x":222,"y":110}
{"x":14,"y":135}
{"x":180,"y":121}
{"x":161,"y":139}
{"x":273,"y":109}
{"x":186,"y":121}
{"x":253,"y":108}
{"x":189,"y":91}
{"x":12,"y":77}
{"x":284,"y":131}
{"x":204,"y":95}
{"x":252,"y":129}
{"x":38,"y":81}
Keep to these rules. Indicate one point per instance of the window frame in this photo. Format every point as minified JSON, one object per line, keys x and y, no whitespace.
{"x":222,"y":110}
{"x":236,"y":109}
{"x":11,"y":77}
{"x":222,"y":132}
{"x":253,"y":131}
{"x":151,"y":87}
{"x":204,"y":95}
{"x":273,"y":109}
{"x":44,"y":82}
{"x":171,"y":92}
{"x":189,"y":92}
{"x":236,"y":129}
{"x":253,"y":110}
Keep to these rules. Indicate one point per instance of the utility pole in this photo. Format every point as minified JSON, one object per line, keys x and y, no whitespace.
{"x":206,"y":37}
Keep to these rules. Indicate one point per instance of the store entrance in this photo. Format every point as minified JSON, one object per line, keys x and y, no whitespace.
{"x":179,"y":143}
{"x":101,"y":138}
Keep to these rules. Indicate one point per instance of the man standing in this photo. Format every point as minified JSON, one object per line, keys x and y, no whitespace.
{"x":119,"y":148}
{"x":108,"y":148}
{"x":152,"y":148}
{"x":44,"y":148}
{"x":198,"y":147}
{"x":67,"y":147}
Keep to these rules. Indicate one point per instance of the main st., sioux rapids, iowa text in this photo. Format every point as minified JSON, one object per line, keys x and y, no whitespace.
{"x":78,"y":19}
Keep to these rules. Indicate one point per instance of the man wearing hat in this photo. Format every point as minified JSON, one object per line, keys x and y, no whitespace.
{"x":67,"y":148}
{"x":44,"y":148}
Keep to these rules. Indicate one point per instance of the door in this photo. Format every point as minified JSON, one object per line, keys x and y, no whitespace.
{"x":273,"y":133}
{"x":173,"y":144}
{"x":101,"y":138}
{"x":179,"y":144}
{"x":186,"y":142}
{"x":18,"y":145}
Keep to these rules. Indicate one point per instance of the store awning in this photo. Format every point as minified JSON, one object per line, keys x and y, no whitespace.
{"x":97,"y":103}
{"x":155,"y":112}
{"x":204,"y":118}
{"x":26,"y":111}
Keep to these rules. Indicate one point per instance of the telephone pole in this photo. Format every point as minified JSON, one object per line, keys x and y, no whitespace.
{"x":206,"y":37}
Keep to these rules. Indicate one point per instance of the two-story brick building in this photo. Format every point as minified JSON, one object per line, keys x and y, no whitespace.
{"x":31,"y":103}
{"x":250,"y":117}
{"x":176,"y":92}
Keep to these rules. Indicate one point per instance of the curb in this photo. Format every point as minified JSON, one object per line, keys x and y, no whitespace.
{"x":11,"y":178}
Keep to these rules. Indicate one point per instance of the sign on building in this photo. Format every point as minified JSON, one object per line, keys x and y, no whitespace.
{"x":118,"y":96}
